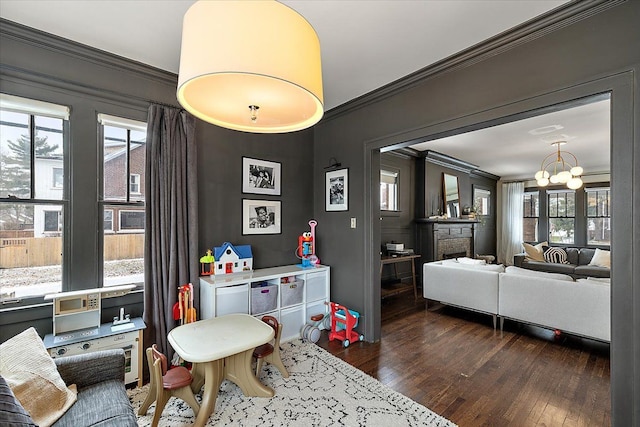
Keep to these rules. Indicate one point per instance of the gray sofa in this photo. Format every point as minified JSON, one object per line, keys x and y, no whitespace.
{"x":578,"y":266}
{"x":102,"y":397}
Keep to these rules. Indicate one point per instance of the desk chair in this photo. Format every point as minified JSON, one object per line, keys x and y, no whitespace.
{"x":268,"y":352}
{"x":166,"y":383}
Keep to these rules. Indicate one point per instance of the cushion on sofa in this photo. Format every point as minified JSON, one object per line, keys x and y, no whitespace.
{"x":598,"y":280}
{"x":554,"y":255}
{"x":601,"y":258}
{"x":32,"y":375}
{"x":573,"y":255}
{"x":542,"y":274}
{"x":114,"y":408}
{"x":592,"y":271}
{"x":11,"y":411}
{"x":535,"y":252}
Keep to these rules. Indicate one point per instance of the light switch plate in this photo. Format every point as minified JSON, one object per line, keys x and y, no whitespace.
{"x":353,"y":223}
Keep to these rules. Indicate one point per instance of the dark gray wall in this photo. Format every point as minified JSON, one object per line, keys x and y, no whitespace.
{"x":44,"y":67}
{"x":574,"y":57}
{"x":220,"y":153}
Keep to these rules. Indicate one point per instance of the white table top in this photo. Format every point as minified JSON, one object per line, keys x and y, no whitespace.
{"x":218,"y":337}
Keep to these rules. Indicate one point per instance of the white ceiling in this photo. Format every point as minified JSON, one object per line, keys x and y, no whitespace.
{"x":365,"y":44}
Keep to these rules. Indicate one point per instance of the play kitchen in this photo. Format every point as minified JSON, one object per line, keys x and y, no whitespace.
{"x":77,"y":328}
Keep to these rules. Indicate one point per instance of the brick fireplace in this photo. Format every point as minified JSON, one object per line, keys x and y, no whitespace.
{"x":442,"y":239}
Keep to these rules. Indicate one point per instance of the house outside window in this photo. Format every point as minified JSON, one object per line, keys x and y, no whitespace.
{"x":598,"y":216}
{"x":33,"y":156}
{"x":123,"y":145}
{"x":531,"y":216}
{"x":561,"y":208}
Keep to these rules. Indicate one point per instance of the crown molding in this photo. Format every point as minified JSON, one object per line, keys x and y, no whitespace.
{"x":558,"y":18}
{"x":41,"y":39}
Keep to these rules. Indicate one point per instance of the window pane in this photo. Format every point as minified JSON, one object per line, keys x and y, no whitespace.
{"x":30,"y":254}
{"x":115,"y":163}
{"x":599,"y":231}
{"x":561,"y":230}
{"x":15,"y":155}
{"x":531,"y":204}
{"x":48,"y":151}
{"x":481,"y":201}
{"x":388,"y":190}
{"x":123,"y":248}
{"x":530,"y":229}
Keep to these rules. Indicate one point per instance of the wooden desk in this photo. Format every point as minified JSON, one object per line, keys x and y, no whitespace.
{"x":221,"y":347}
{"x":395,"y":260}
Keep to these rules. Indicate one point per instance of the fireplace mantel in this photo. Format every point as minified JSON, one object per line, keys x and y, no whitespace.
{"x":445,"y":238}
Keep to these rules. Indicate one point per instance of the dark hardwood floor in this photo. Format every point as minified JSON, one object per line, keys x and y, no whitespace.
{"x":454,"y":363}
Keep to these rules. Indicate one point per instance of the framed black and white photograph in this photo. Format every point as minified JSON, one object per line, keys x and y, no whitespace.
{"x":260,"y":176}
{"x":261,"y":217}
{"x":337,"y":190}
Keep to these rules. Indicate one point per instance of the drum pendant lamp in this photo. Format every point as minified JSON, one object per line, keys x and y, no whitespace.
{"x":252,"y":66}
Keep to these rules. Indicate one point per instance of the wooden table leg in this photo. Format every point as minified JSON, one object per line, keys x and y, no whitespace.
{"x":413,"y":275}
{"x":213,"y":374}
{"x":238,"y":369}
{"x":197,"y":372}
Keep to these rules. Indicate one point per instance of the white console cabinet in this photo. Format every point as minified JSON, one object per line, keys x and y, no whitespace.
{"x":290,"y":293}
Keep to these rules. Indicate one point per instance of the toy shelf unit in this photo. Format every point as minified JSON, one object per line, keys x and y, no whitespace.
{"x":289,"y":293}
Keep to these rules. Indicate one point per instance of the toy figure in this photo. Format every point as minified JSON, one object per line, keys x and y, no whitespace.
{"x":206,"y":264}
{"x":306,"y":246}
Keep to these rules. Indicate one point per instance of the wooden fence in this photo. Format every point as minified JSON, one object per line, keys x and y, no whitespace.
{"x":36,"y":252}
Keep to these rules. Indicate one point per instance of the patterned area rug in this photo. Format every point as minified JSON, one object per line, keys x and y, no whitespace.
{"x":321,"y":390}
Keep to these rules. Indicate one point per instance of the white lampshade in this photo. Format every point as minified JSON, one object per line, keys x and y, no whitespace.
{"x":554,"y":179}
{"x":574,"y":183}
{"x":543,"y":182}
{"x":237,"y":54}
{"x":564,"y":176}
{"x":576,"y":171}
{"x":541,"y":174}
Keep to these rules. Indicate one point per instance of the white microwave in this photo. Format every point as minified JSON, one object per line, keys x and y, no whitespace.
{"x":76,"y":303}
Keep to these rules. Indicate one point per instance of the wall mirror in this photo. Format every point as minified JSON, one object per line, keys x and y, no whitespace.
{"x":451,"y":195}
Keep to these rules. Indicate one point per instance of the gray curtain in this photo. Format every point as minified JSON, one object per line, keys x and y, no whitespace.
{"x":171,"y":243}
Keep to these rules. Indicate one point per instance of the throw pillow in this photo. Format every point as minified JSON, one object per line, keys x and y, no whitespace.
{"x":535,"y":253}
{"x":555,"y":255}
{"x":601,"y":258}
{"x":32,"y":375}
{"x":11,"y":411}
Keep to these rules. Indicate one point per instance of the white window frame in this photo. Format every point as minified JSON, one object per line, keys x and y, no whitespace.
{"x":128,"y":230}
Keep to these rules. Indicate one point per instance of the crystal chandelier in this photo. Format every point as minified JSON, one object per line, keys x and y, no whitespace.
{"x":564,"y":172}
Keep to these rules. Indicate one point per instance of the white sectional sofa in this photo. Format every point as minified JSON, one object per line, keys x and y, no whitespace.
{"x":550,"y":300}
{"x":474,"y":287}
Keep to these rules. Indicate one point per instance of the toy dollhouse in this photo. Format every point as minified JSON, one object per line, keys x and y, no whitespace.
{"x":232,"y":259}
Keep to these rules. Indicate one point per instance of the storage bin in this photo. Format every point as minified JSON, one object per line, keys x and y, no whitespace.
{"x":291,"y":293}
{"x":232,"y":299}
{"x":263,"y":298}
{"x":292,"y":320}
{"x":316,"y":286}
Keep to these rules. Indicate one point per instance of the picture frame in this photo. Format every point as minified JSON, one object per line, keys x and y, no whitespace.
{"x":261,"y":176}
{"x":261,"y":217}
{"x":337,"y":190}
